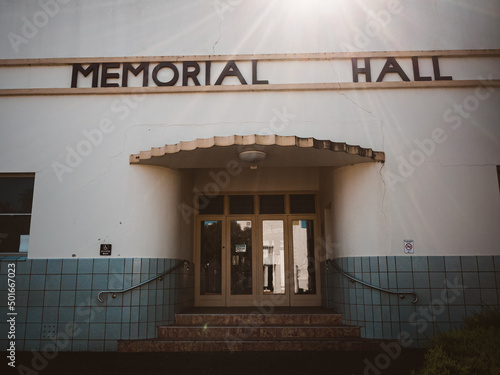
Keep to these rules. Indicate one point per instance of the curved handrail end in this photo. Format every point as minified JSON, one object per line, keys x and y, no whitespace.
{"x":185,"y":263}
{"x":99,"y":297}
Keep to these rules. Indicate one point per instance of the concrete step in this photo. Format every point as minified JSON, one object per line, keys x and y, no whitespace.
{"x":162,"y":345}
{"x":252,"y":320}
{"x":256,"y":332}
{"x":242,"y":330}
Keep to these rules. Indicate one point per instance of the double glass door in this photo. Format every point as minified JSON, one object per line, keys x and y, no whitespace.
{"x":257,"y":260}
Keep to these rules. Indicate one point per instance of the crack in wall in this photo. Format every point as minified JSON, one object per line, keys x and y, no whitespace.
{"x":463,"y":165}
{"x":381,"y":125}
{"x":219,"y":37}
{"x":387,"y":236}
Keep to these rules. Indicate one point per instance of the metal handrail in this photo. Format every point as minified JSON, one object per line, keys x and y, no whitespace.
{"x":353,"y":279}
{"x":160,"y":276}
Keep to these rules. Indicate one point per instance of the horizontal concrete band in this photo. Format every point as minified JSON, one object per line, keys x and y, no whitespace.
{"x":260,"y":57}
{"x":331,"y":86}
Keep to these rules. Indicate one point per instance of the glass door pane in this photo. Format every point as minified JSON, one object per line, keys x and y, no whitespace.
{"x":273,"y":251}
{"x":211,"y":257}
{"x":241,"y":257}
{"x":304,"y":265}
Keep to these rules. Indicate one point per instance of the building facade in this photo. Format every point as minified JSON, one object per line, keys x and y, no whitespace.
{"x":246,"y":144}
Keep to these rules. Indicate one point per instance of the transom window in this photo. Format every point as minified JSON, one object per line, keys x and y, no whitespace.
{"x":263,"y":204}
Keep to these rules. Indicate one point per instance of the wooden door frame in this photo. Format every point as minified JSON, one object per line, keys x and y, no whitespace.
{"x":273,"y":299}
{"x":241,"y":300}
{"x":257,"y":298}
{"x":208,"y":300}
{"x":305,"y":299}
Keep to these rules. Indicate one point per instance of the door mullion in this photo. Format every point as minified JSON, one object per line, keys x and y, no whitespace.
{"x":226,"y":254}
{"x":257,"y":262}
{"x":289,"y":267}
{"x":305,"y":299}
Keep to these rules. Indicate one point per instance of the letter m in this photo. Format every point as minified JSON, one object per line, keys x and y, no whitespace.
{"x":143,"y":67}
{"x":92,"y":68}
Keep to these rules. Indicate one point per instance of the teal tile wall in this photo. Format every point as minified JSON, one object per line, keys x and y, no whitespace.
{"x":449,"y":288}
{"x":57,"y":299}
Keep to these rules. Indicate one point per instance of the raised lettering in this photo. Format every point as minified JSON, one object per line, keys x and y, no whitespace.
{"x":128,"y":67}
{"x":416,"y":71}
{"x":193,"y":74}
{"x":255,"y":80}
{"x":230,"y":70}
{"x":92,"y":68}
{"x":356,"y":70}
{"x":170,"y":66}
{"x":105,"y":75}
{"x":208,"y":66}
{"x":437,"y":73}
{"x":392,"y":66}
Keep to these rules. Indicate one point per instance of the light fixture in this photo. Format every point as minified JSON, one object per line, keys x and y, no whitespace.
{"x":252,"y":156}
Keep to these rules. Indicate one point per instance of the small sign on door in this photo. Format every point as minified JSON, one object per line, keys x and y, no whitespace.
{"x":240,"y":248}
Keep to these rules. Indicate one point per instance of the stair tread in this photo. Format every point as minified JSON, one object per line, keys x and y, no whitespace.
{"x":263,"y":327}
{"x":258,"y":319}
{"x":258,"y":314}
{"x":262,"y":345}
{"x":253,"y":340}
{"x":241,"y":331}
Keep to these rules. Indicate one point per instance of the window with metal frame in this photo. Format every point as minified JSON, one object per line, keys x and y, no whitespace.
{"x":16,"y":201}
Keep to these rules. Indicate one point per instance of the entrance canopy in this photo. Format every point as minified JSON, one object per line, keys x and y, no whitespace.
{"x":281,"y":151}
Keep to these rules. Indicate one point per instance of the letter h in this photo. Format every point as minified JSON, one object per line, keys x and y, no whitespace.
{"x":357,"y":70}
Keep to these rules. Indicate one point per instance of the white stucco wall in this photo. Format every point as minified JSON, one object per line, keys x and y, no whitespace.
{"x":201,"y":27}
{"x":134,"y":209}
{"x":438,"y":185}
{"x":360,"y":219}
{"x":456,"y":212}
{"x":448,"y":202}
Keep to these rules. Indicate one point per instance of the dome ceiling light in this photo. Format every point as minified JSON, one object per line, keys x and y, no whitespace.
{"x":252,"y":157}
